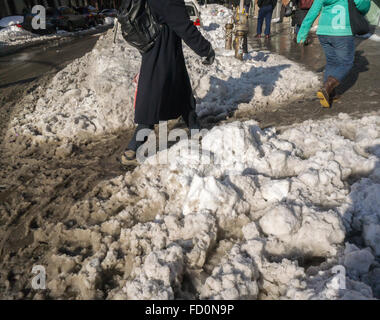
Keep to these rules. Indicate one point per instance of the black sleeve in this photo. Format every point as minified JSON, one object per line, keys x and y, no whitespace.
{"x":176,"y":17}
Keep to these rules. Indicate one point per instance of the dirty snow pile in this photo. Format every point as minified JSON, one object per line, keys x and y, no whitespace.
{"x":214,"y":18}
{"x":15,"y":34}
{"x":259,"y":215}
{"x":11,"y":20}
{"x":215,"y":13}
{"x":95,"y":94}
{"x":109,"y":20}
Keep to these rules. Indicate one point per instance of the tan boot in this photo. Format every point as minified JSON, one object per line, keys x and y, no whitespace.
{"x":128,"y":158}
{"x":325,"y":94}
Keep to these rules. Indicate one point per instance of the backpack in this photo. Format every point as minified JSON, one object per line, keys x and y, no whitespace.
{"x":138,"y":26}
{"x":359,"y":24}
{"x":305,"y":4}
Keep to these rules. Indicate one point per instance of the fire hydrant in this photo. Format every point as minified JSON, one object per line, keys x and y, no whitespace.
{"x":229,"y":32}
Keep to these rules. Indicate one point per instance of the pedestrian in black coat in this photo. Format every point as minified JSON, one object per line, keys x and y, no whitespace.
{"x":164,"y":88}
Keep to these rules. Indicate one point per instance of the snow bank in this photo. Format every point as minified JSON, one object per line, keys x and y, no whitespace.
{"x":95,"y":94}
{"x":14,"y":34}
{"x":109,"y":20}
{"x":271,"y":220}
{"x":11,"y":20}
{"x":214,"y":17}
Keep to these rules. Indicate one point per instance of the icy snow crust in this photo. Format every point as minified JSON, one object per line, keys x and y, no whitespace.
{"x":273,"y":215}
{"x":96,"y":92}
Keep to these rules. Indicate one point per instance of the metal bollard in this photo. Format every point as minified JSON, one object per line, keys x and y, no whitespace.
{"x":245,"y":42}
{"x":238,"y":45}
{"x":241,"y":40}
{"x":244,"y":27}
{"x":229,"y":31}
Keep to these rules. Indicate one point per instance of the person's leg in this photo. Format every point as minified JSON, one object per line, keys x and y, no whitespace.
{"x":139,"y":137}
{"x":329,"y":54}
{"x":282,"y":13}
{"x":344,"y":48}
{"x":260,"y":21}
{"x":268,"y":19}
{"x":190,"y":116}
{"x":325,"y":94}
{"x":136,"y":140}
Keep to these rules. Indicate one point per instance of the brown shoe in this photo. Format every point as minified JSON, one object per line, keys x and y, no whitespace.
{"x":325,"y":93}
{"x":267,"y":36}
{"x":258,"y":36}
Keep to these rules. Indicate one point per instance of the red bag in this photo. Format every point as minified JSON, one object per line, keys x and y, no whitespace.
{"x":136,"y":82}
{"x":305,"y":4}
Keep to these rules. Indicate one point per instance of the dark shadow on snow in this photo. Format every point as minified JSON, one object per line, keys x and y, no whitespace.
{"x":228,"y":94}
{"x":357,"y":223}
{"x":260,"y":56}
{"x":211,"y":27}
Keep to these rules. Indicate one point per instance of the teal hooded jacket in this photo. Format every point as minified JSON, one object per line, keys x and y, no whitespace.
{"x":334,"y":20}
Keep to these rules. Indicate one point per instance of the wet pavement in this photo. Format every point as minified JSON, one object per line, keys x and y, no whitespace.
{"x":361,"y":90}
{"x":29,"y":64}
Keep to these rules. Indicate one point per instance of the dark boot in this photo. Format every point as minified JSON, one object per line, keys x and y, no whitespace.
{"x":325,"y":93}
{"x":190,"y":117}
{"x":192,"y":121}
{"x":129,"y":155}
{"x":335,"y":96}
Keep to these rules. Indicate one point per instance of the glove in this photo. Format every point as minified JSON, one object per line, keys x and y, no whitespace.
{"x":209,"y":60}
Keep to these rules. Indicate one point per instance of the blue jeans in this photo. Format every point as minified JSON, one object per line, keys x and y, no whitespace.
{"x":340,"y":54}
{"x":264,"y":13}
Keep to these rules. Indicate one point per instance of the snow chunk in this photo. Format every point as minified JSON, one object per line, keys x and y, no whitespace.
{"x":159,"y":277}
{"x":235,"y":278}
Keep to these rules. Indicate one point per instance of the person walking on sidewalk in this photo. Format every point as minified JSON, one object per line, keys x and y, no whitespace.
{"x":337,"y":40}
{"x":164,"y":88}
{"x":265,"y":13}
{"x":302,"y":9}
{"x":247,"y":5}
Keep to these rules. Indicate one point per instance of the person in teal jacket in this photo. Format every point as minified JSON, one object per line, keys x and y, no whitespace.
{"x":336,"y":38}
